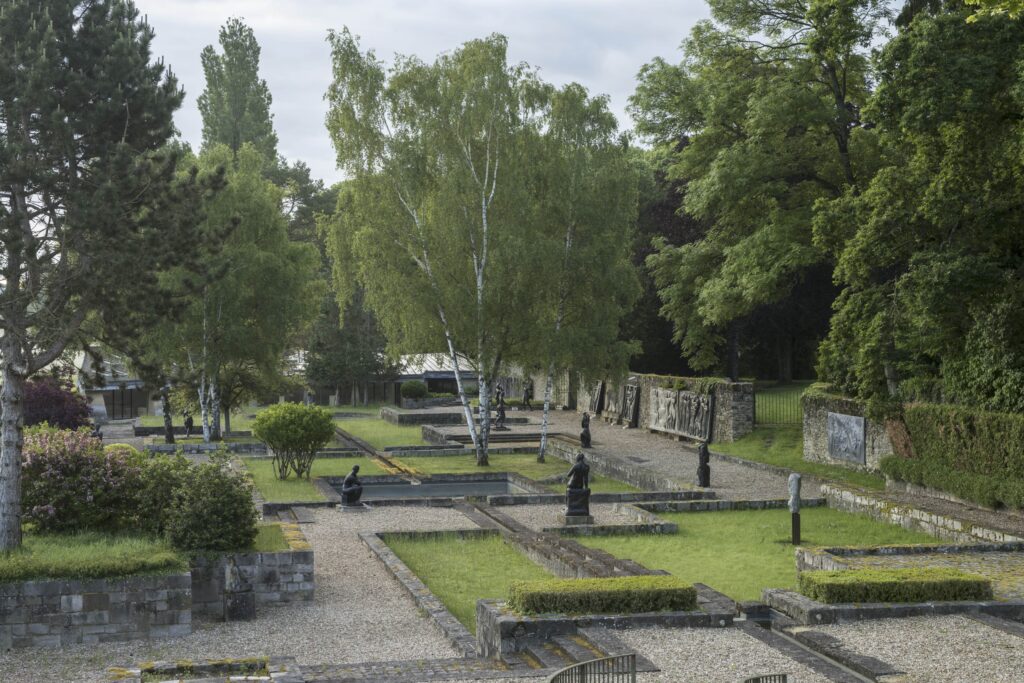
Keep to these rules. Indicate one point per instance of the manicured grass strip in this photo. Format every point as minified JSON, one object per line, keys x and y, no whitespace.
{"x":88,"y":556}
{"x":783,"y":446}
{"x":381,"y":434}
{"x":740,"y":552}
{"x":923,"y":584}
{"x":275,"y":490}
{"x":269,"y":539}
{"x":459,"y":571}
{"x":525,"y":464}
{"x":616,"y":595}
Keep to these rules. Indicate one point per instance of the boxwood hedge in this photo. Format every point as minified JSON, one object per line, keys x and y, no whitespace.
{"x":618,"y":595}
{"x":894,"y":585}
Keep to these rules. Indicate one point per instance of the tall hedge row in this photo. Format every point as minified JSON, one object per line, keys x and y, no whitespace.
{"x":973,"y":454}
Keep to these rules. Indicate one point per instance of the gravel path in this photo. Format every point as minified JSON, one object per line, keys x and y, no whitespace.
{"x":540,"y":516}
{"x":359,"y":613}
{"x":675,"y":459}
{"x":950,"y":649}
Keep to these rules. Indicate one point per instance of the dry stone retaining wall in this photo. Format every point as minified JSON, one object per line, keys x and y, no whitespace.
{"x":816,"y":409}
{"x":57,"y":612}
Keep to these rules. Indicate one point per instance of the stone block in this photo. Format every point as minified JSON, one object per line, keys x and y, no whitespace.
{"x":71,"y":603}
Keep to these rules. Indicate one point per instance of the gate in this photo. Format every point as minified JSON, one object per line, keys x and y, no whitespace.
{"x":618,"y":669}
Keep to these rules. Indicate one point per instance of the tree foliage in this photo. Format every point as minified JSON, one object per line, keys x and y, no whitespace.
{"x":294,"y":433}
{"x":50,"y":399}
{"x":767,"y":100}
{"x":931,"y":254}
{"x":92,"y":206}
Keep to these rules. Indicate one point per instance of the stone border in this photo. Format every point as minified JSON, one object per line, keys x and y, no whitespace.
{"x":811,"y":559}
{"x":248,"y":448}
{"x":940,"y":526}
{"x":806,"y":611}
{"x":645,"y":523}
{"x":457,"y":635}
{"x":281,"y":670}
{"x":719,"y":505}
{"x":832,"y":648}
{"x":628,"y":497}
{"x":500,"y":632}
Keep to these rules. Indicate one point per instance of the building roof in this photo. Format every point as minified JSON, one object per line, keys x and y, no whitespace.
{"x":434,"y":366}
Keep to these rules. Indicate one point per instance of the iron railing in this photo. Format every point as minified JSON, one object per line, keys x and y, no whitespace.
{"x":618,"y":669}
{"x":770,"y":678}
{"x":778,"y":407}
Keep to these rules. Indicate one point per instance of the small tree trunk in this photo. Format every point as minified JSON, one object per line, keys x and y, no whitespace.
{"x":227,"y":418}
{"x":11,"y":424}
{"x":355,"y":394}
{"x":165,"y":404}
{"x":485,"y":421}
{"x":215,"y":407}
{"x":547,"y":410}
{"x":204,"y":408}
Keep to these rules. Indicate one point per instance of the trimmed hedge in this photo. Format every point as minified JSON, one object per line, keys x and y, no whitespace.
{"x":973,"y":454}
{"x":622,"y":595}
{"x":894,"y":585}
{"x":414,"y":389}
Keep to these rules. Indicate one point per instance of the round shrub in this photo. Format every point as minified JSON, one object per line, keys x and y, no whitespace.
{"x":212,"y":511}
{"x":70,"y":483}
{"x":414,"y":389}
{"x":295,"y":433}
{"x":163,"y":476}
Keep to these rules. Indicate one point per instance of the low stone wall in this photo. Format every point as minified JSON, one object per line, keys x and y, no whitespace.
{"x":616,"y":468}
{"x":940,"y":526}
{"x":806,"y":611}
{"x":500,"y":633}
{"x":55,"y":613}
{"x":418,"y":403}
{"x":178,"y":430}
{"x":276,"y":577}
{"x":733,"y":412}
{"x":815,"y":426}
{"x":197,"y":448}
{"x":808,"y":559}
{"x":718,"y":505}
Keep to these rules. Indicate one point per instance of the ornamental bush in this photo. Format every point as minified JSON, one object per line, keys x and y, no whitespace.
{"x":163,"y":476}
{"x":70,"y":483}
{"x":414,"y":389}
{"x":212,"y":511}
{"x":50,"y":400}
{"x":294,"y":433}
{"x":894,"y":585}
{"x":617,"y":595}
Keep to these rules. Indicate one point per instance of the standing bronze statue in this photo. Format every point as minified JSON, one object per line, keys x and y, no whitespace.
{"x":577,"y":494}
{"x":703,"y":466}
{"x":585,"y":433}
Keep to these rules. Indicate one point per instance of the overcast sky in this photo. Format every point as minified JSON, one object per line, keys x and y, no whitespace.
{"x":599,"y":43}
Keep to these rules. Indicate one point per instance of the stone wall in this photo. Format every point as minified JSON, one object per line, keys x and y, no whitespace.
{"x":816,"y":409}
{"x":734,"y":404}
{"x":278,"y":577}
{"x":55,"y":613}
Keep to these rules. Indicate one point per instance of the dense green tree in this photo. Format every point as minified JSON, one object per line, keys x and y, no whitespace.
{"x":931,"y":254}
{"x":235,"y":105}
{"x":768,"y":98}
{"x":584,"y":197}
{"x":92,"y":207}
{"x":265,"y":290}
{"x":349,"y":350}
{"x":431,"y":225}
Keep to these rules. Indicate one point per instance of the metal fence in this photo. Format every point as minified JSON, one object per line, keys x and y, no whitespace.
{"x":619,"y":669}
{"x":778,"y":405}
{"x":770,"y":678}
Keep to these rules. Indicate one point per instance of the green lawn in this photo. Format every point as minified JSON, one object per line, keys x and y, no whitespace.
{"x":381,"y":434}
{"x":88,"y":556}
{"x":740,"y":552}
{"x":461,"y":571}
{"x":269,"y":539}
{"x":783,"y":446}
{"x":525,"y":464}
{"x":275,"y":490}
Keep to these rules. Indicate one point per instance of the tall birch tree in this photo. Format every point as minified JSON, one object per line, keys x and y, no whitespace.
{"x":433,"y":215}
{"x":586,"y":199}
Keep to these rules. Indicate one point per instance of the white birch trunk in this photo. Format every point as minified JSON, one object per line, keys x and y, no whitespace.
{"x":547,"y":411}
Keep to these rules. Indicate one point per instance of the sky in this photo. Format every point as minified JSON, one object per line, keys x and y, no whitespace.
{"x":599,"y":43}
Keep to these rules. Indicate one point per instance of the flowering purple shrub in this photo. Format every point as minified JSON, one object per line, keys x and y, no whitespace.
{"x":49,"y":399}
{"x":69,"y":483}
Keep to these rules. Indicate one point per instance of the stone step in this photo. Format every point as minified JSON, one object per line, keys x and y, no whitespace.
{"x":579,"y":648}
{"x":303,"y":515}
{"x":550,"y":654}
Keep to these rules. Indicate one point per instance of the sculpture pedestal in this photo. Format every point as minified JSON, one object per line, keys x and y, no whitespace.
{"x":357,"y":507}
{"x":578,"y":520}
{"x":577,"y":503}
{"x":240,"y":606}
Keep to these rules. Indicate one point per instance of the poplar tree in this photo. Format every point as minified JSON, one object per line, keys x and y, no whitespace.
{"x":92,"y":206}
